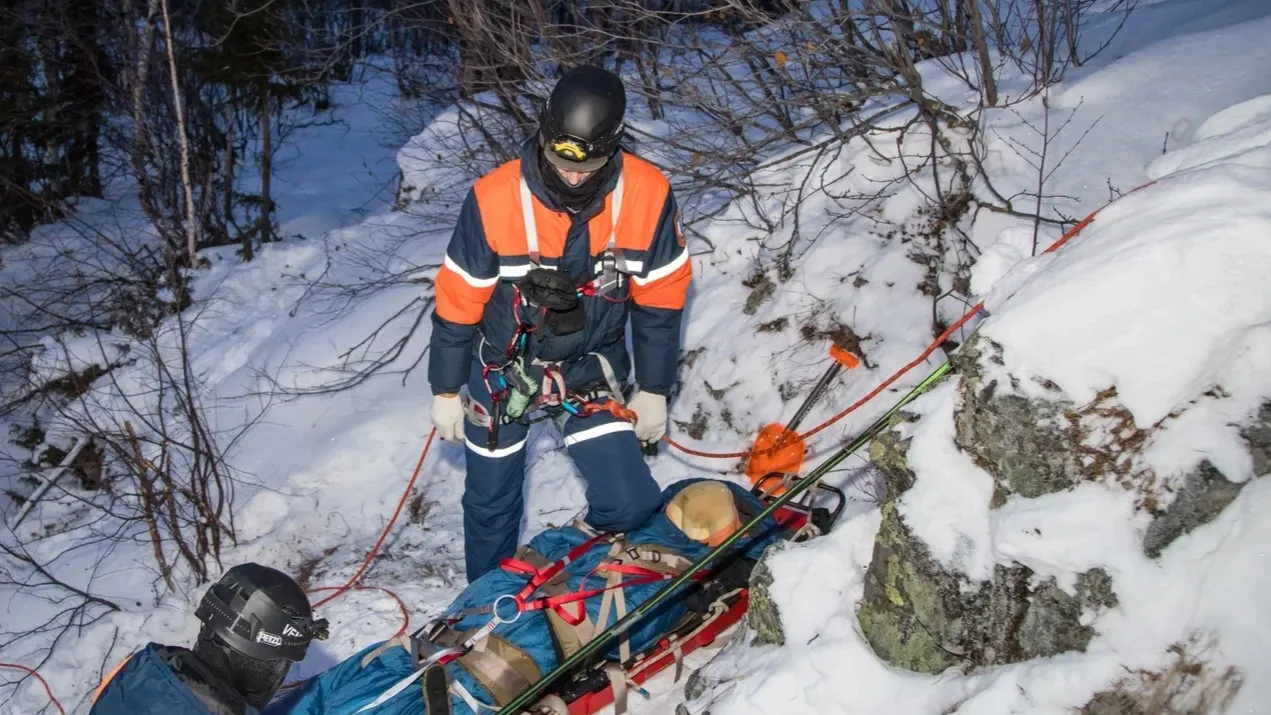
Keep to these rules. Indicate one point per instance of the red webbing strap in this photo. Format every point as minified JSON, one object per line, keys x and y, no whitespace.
{"x":538,"y":577}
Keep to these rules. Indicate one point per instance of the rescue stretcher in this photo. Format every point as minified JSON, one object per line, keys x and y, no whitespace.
{"x":720,"y":604}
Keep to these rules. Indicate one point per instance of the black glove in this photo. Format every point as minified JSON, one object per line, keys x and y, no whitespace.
{"x":556,"y":294}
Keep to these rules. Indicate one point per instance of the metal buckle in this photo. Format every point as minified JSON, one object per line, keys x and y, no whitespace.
{"x":498,"y":617}
{"x":609,"y":278}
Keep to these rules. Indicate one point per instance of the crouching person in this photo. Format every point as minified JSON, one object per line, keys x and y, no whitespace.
{"x":257,"y":621}
{"x":469,"y":661}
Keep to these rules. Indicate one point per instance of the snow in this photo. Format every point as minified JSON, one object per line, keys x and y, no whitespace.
{"x":1163,"y":297}
{"x":1155,"y":263}
{"x":948,"y":513}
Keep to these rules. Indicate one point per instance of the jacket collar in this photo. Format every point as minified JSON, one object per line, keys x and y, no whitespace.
{"x":530,"y":169}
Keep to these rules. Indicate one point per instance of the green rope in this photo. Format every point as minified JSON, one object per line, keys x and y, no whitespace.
{"x":624,"y":624}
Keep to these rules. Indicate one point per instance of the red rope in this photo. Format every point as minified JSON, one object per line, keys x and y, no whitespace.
{"x":400,"y":603}
{"x":1068,"y":235}
{"x":388,"y":528}
{"x":40,"y":678}
{"x":352,"y":584}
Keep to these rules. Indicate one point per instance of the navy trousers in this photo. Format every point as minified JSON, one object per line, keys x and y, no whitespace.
{"x":620,"y":491}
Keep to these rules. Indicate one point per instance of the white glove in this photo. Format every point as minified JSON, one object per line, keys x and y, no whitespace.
{"x":650,"y":412}
{"x":447,"y":416}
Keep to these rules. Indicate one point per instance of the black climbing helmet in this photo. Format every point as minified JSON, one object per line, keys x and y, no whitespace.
{"x":582,"y":120}
{"x":260,"y":612}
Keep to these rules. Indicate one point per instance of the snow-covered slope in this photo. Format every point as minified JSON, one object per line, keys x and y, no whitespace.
{"x":321,"y":472}
{"x":1164,"y":298}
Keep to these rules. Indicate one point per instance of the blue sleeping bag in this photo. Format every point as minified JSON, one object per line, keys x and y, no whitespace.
{"x":351,"y":685}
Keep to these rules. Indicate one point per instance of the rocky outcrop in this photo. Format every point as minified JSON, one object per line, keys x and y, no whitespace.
{"x":1205,"y":492}
{"x":762,"y":616}
{"x":1021,"y":442}
{"x":919,"y":615}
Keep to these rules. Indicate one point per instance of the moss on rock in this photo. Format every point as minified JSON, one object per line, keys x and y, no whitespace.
{"x":1021,"y":442}
{"x":918,"y":615}
{"x":762,"y":615}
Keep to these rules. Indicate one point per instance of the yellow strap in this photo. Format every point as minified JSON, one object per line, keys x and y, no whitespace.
{"x":501,"y":668}
{"x":402,"y":640}
{"x":624,"y":645}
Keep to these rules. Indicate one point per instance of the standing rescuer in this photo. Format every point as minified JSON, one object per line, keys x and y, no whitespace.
{"x":551,"y":255}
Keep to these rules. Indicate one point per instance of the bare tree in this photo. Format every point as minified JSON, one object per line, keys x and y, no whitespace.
{"x":191,"y":228}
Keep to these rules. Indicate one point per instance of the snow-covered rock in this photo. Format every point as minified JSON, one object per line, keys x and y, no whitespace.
{"x":1083,"y":367}
{"x":1075,"y":518}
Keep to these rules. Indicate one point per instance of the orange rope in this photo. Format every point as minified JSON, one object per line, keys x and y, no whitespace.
{"x":40,"y":678}
{"x":1068,"y":235}
{"x":352,"y":584}
{"x":388,"y":528}
{"x":400,"y":603}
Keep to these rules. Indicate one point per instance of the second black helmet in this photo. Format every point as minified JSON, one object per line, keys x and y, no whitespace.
{"x":582,"y":120}
{"x":260,"y":612}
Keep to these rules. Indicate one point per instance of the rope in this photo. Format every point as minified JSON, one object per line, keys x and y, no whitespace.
{"x":944,"y":337}
{"x":400,"y":603}
{"x":40,"y":678}
{"x":352,"y":584}
{"x":851,"y":408}
{"x":388,"y":528}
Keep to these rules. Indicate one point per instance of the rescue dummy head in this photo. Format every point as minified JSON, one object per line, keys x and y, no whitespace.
{"x":705,"y":511}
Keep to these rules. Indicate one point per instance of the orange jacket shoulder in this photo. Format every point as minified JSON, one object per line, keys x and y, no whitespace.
{"x":641,"y":175}
{"x":645,"y":189}
{"x":499,"y":199}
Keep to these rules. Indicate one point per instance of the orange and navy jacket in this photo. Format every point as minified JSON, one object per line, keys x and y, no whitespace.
{"x":488,"y":254}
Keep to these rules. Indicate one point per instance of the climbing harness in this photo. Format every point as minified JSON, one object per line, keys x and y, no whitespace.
{"x":514,"y":391}
{"x":515,"y":395}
